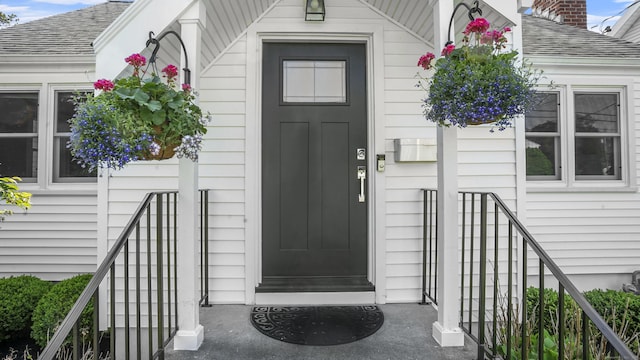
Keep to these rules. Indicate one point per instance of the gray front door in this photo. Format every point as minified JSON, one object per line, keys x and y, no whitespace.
{"x":314,"y":139}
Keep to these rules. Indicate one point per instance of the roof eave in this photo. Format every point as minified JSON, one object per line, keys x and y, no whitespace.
{"x":37,"y":59}
{"x":554,"y":60}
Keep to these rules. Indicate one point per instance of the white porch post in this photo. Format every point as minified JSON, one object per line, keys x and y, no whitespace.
{"x":446,"y":331}
{"x":190,"y":334}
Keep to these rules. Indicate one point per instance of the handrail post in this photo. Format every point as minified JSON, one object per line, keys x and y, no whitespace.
{"x":483,"y":276}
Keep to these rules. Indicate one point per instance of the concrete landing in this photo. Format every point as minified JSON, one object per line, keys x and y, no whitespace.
{"x":405,"y":335}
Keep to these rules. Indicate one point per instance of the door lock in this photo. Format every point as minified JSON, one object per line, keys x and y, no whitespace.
{"x":362,"y":175}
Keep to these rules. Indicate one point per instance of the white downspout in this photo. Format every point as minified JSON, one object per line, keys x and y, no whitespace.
{"x":190,"y":334}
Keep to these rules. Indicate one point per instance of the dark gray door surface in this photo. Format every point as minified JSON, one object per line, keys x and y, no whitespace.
{"x":314,"y":215}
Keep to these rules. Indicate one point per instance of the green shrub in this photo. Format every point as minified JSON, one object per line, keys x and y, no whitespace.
{"x":605,"y":301}
{"x":54,"y":306}
{"x":550,"y":312}
{"x":18,"y":298}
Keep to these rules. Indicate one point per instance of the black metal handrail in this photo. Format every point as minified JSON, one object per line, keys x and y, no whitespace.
{"x":498,"y":320}
{"x":166,"y":233}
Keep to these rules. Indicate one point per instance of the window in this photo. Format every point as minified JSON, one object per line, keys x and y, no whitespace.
{"x":19,"y":135}
{"x":314,"y":81}
{"x":64,"y":168}
{"x":543,"y":139}
{"x":589,"y":133}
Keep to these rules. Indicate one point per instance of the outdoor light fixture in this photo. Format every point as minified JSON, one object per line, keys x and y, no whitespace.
{"x":314,"y":10}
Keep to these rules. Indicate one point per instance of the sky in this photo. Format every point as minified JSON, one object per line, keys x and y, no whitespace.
{"x":600,"y":12}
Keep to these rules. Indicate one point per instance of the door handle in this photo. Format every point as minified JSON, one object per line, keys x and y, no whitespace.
{"x":362,"y":175}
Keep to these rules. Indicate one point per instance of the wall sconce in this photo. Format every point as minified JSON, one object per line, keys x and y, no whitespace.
{"x":314,"y":10}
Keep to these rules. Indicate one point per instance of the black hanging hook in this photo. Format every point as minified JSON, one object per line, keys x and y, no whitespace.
{"x":471,"y":10}
{"x":154,"y":53}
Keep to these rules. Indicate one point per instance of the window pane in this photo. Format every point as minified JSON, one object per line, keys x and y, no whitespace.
{"x":544,"y":118}
{"x":314,"y":81}
{"x":64,"y":111}
{"x":597,"y":156}
{"x":542,"y":153}
{"x":19,"y":113}
{"x":596,"y":113}
{"x":68,"y":167}
{"x":19,"y":157}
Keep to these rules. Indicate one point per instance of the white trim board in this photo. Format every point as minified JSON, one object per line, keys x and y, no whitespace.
{"x":372,"y":36}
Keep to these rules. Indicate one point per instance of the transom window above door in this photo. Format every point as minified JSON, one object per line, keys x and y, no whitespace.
{"x":314,"y":81}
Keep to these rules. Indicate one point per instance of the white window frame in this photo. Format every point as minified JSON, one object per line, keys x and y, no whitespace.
{"x":44,"y":181}
{"x":53,"y":147}
{"x":49,"y":180}
{"x":568,"y":180}
{"x":38,"y":135}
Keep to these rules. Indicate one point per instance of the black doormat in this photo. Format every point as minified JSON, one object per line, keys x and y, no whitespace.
{"x":317,"y":325}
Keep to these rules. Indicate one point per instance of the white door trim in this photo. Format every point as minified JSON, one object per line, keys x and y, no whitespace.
{"x":370,"y":34}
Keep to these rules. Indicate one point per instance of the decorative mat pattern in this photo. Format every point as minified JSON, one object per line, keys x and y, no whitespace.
{"x":317,"y":325}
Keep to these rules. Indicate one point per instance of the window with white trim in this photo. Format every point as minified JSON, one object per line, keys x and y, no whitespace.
{"x":588,"y":128}
{"x":19,"y":134}
{"x":65,"y":169}
{"x":26,"y":129}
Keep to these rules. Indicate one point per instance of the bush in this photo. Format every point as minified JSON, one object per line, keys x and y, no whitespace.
{"x":550,"y":312}
{"x":18,"y":298}
{"x":605,"y":301}
{"x":54,"y":306}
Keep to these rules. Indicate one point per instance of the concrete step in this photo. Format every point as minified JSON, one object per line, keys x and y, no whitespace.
{"x":405,"y":335}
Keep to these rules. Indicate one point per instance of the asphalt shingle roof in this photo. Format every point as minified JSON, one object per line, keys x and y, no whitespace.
{"x":65,"y":34}
{"x":542,"y":37}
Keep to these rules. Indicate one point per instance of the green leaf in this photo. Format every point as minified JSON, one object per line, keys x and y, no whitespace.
{"x":146,"y":115}
{"x":159,"y":117}
{"x":140,"y":96}
{"x":124,"y":93}
{"x":176,"y":103}
{"x":154,"y":105}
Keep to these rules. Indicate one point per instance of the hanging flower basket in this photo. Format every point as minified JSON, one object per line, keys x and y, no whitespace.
{"x":136,"y":118}
{"x":479,"y":82}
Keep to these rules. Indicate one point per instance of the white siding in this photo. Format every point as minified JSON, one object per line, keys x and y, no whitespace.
{"x":223,"y":90}
{"x":592,"y":234}
{"x":487,"y":160}
{"x":222,"y":169}
{"x":633,"y":34}
{"x":56,"y":238}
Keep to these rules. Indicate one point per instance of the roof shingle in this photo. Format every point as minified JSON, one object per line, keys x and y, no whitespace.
{"x":65,"y":34}
{"x":542,"y":37}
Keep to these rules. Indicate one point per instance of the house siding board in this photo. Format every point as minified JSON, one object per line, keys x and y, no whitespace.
{"x":222,"y":166}
{"x":56,"y":231}
{"x":592,"y":234}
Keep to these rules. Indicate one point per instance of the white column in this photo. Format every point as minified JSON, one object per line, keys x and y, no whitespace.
{"x":446,"y":331}
{"x":191,"y":333}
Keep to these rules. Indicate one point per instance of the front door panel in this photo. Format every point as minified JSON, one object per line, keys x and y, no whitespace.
{"x":314,"y":207}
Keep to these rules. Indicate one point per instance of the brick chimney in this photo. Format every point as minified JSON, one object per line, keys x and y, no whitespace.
{"x":571,"y":12}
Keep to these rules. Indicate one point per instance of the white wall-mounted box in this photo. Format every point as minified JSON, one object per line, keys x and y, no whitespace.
{"x":415,"y":150}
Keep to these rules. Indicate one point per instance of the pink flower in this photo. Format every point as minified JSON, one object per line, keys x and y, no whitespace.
{"x":103,"y":84}
{"x":506,"y":29}
{"x":448,"y":49}
{"x":186,"y":87}
{"x":478,"y":26}
{"x":492,"y":36}
{"x":171,"y":71}
{"x":425,"y":60}
{"x":136,"y":60}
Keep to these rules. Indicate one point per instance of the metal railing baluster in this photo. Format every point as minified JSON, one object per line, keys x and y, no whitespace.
{"x":159,"y":276}
{"x":518,"y":338}
{"x":165,"y":272}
